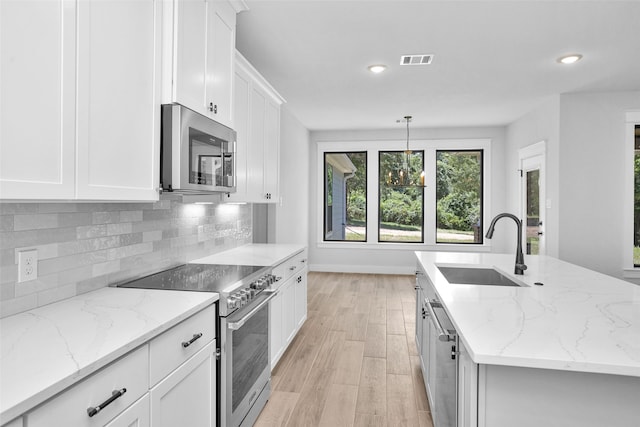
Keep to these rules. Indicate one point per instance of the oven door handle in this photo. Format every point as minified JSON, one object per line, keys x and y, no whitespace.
{"x":234,"y":326}
{"x":442,"y":334}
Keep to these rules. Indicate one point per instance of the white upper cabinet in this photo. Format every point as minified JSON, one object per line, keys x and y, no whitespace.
{"x":80,"y":100}
{"x":199,"y":56}
{"x":37,"y":99}
{"x":257,"y":119}
{"x":118,"y":111}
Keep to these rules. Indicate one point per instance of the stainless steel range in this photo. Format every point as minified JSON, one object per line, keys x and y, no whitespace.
{"x":244,"y":374}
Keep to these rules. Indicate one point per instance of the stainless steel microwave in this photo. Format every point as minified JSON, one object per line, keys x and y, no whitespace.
{"x":198,"y":154}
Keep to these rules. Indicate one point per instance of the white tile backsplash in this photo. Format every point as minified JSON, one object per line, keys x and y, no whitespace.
{"x":86,"y":246}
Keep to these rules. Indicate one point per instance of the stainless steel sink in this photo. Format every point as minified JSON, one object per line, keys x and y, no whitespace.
{"x":477,"y":276}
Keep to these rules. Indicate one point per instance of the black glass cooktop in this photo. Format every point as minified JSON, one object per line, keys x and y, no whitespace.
{"x":195,"y":277}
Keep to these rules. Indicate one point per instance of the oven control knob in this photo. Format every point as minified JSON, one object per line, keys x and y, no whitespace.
{"x":252,"y":293}
{"x":232,"y":302}
{"x":254,"y":285}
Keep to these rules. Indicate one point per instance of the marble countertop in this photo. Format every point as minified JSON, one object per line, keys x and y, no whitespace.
{"x":260,"y":254}
{"x":579,"y":320}
{"x":45,"y":350}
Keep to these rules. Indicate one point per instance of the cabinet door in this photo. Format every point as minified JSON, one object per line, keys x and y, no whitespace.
{"x":467,"y":389}
{"x":288,"y":310}
{"x":189,"y":61}
{"x":241,"y":126}
{"x":187,"y":396}
{"x":118,"y":107}
{"x":272,"y":150}
{"x":419,"y":318}
{"x":301,"y":298}
{"x":221,"y":38}
{"x":276,"y":340}
{"x":37,"y":83}
{"x":256,"y":155}
{"x":136,"y":415}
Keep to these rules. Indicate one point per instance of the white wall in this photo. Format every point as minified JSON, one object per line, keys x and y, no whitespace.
{"x":592,"y":143}
{"x":541,"y":124}
{"x":585,"y":174}
{"x":292,"y":213}
{"x":393,"y":260}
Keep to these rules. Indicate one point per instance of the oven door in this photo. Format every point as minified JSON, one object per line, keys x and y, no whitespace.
{"x":245,"y":370}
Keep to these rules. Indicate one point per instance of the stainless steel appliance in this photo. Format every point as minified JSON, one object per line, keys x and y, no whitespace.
{"x":244,"y":372}
{"x":197,"y":153}
{"x":443,"y":344}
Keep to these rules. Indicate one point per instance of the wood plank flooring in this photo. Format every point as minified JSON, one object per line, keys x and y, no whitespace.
{"x":354,"y":361}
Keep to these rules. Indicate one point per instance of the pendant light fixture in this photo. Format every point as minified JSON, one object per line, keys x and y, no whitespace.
{"x":405,"y":175}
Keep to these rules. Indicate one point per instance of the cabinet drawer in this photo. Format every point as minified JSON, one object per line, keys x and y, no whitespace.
{"x":69,"y":408}
{"x":291,"y":266}
{"x":175,"y":346}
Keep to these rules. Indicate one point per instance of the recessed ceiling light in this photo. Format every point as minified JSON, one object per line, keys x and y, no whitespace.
{"x":377,"y":69}
{"x":570,"y":59}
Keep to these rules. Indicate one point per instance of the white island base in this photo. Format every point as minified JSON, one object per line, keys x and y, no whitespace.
{"x":507,"y":396}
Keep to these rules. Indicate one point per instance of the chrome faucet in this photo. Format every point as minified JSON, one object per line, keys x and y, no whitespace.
{"x":520,"y":265}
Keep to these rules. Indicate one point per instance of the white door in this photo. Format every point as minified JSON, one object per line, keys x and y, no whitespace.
{"x":532,"y":198}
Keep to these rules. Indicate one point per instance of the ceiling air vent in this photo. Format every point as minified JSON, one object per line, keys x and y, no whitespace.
{"x":416,"y":59}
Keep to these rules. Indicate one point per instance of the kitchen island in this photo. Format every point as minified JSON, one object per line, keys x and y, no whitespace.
{"x":562,"y":349}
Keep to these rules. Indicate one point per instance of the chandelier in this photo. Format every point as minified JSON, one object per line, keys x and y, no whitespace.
{"x":406,"y":176}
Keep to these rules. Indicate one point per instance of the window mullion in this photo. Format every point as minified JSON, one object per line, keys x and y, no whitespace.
{"x":430,"y":196}
{"x":373,"y":196}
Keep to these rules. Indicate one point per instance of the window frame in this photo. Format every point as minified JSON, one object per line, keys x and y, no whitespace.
{"x":429,"y":146}
{"x":482,"y":193}
{"x":324,"y":218}
{"x":379,"y":153}
{"x":632,"y":120}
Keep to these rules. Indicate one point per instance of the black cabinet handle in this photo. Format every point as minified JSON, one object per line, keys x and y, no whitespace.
{"x":114,"y":395}
{"x":186,"y":344}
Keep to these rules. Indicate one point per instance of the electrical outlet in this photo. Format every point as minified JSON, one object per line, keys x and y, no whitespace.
{"x":27,"y":265}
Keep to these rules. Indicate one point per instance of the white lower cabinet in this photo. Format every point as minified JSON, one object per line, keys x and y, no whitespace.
{"x":136,"y":415}
{"x":288,"y":291}
{"x":167,"y":382}
{"x":187,"y":396}
{"x":288,"y":310}
{"x":129,"y":376}
{"x":300,"y":308}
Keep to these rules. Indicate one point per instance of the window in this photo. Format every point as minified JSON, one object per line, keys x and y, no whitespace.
{"x":438,"y":200}
{"x":401,"y":202}
{"x":636,"y":197}
{"x":459,"y":196}
{"x":345,"y":196}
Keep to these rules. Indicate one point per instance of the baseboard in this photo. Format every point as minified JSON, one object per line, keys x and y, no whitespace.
{"x":364,"y":269}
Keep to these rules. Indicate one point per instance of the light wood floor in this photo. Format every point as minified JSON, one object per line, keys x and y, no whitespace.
{"x":354,"y":362}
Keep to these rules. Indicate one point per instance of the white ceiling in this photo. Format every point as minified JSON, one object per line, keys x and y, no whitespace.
{"x":494,"y":60}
